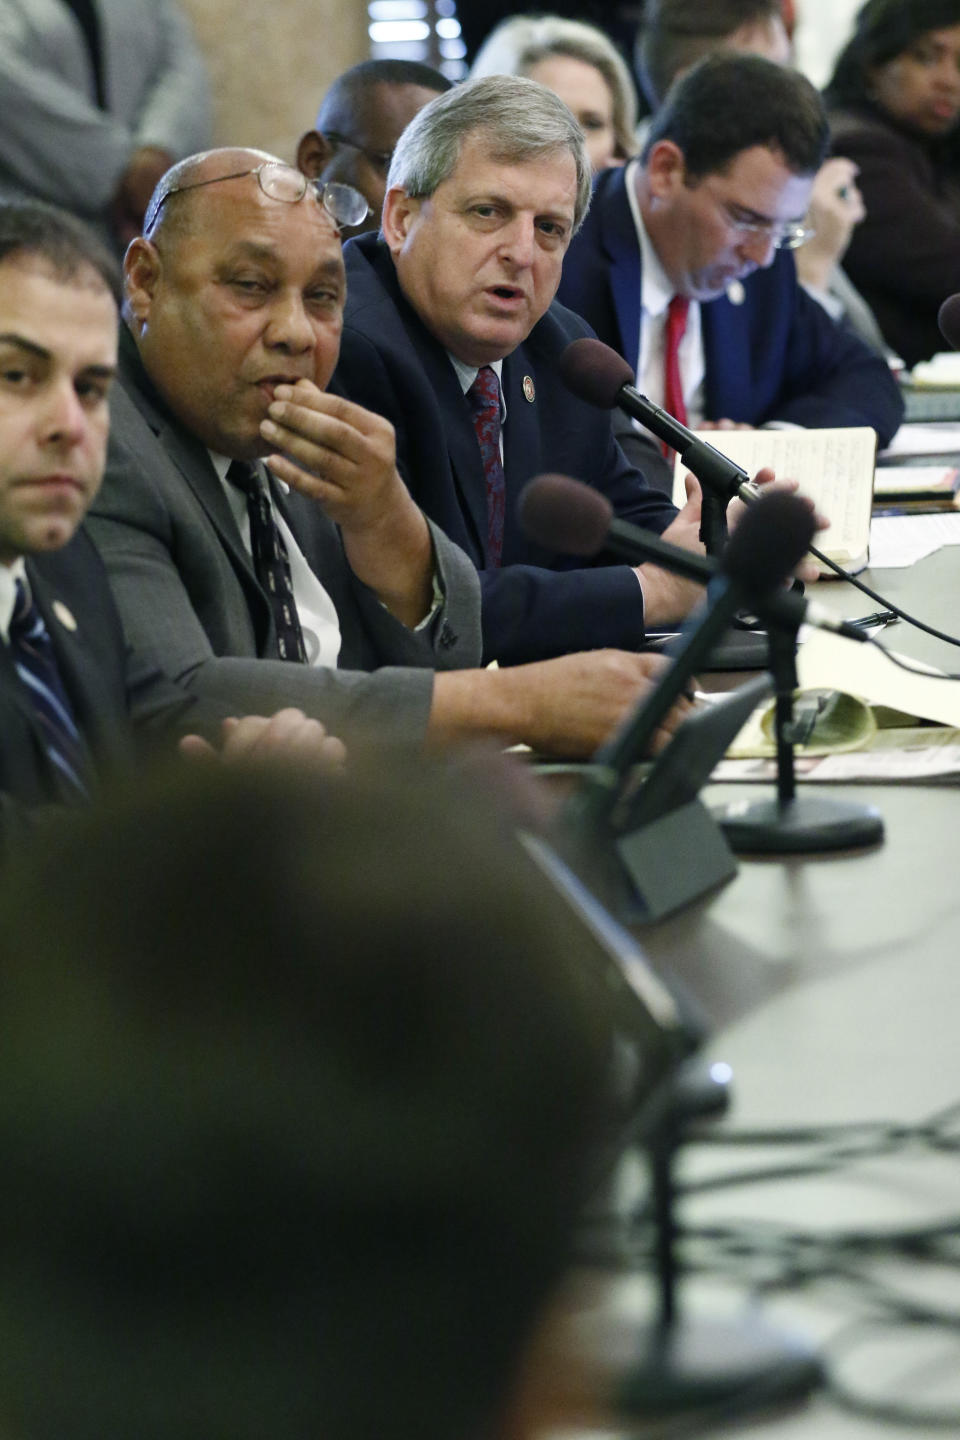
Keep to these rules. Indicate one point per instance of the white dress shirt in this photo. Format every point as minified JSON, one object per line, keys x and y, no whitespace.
{"x":466,"y":374}
{"x":9,"y":575}
{"x":655,"y":295}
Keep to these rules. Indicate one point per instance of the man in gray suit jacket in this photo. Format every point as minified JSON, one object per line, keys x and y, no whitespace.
{"x":234,"y":305}
{"x":98,"y":100}
{"x":76,"y":703}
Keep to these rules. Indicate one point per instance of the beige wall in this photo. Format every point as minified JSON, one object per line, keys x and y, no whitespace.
{"x":271,"y":63}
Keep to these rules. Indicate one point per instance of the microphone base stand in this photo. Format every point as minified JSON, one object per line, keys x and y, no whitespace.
{"x":692,"y":1363}
{"x":792,"y":823}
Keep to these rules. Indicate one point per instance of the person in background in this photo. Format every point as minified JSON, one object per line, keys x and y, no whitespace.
{"x":303,"y":1085}
{"x":581,"y":65}
{"x":616,"y":18}
{"x":674,"y":35}
{"x":360,"y":120}
{"x":894,"y":106}
{"x":98,"y":98}
{"x":684,"y":263}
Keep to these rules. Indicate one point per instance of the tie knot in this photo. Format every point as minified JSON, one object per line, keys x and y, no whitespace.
{"x":245,"y":475}
{"x":25,"y":614}
{"x":485,"y":390}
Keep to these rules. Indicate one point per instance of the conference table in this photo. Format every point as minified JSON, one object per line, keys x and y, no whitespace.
{"x":831,"y":984}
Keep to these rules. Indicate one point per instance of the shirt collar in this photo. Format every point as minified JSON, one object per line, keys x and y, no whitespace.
{"x":466,"y":374}
{"x":9,"y":575}
{"x":657,"y":289}
{"x":222,"y":463}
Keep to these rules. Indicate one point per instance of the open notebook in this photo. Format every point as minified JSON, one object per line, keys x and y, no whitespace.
{"x":834,"y":467}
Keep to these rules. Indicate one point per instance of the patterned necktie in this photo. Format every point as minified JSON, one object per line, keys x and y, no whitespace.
{"x":674,"y":330}
{"x":270,"y":560}
{"x":31,"y":650}
{"x":484,"y":397}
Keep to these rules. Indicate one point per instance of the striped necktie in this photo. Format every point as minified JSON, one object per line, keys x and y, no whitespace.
{"x":270,"y":559}
{"x":36,"y":664}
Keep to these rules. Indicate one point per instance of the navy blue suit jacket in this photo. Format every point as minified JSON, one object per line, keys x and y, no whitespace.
{"x":776,"y":356}
{"x":539,"y":603}
{"x":117,"y":697}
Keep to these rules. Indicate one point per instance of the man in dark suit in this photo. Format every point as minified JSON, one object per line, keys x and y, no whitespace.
{"x":487,"y":186}
{"x":234,"y":304}
{"x":74,"y":698}
{"x":706,"y":219}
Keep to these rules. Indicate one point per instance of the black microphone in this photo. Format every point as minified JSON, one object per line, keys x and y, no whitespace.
{"x":594,"y":372}
{"x":948,"y":319}
{"x":572,"y":518}
{"x":771,"y":539}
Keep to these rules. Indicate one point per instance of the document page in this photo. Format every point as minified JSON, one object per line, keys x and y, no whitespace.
{"x":834,"y":467}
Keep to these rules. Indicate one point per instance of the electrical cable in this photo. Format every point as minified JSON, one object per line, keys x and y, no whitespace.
{"x":770,"y":1257}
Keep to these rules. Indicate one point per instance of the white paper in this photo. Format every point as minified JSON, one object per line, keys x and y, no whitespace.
{"x":941,"y":370}
{"x":931,"y":437}
{"x":899,"y":540}
{"x":831,"y":662}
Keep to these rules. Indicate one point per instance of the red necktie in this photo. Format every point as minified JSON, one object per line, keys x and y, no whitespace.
{"x":484,"y":397}
{"x":673,"y":333}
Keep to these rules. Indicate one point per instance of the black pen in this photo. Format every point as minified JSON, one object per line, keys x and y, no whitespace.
{"x":879,"y":617}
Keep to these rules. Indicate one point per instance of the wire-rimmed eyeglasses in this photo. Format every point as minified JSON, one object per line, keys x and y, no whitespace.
{"x":343,"y":204}
{"x":782,"y":235}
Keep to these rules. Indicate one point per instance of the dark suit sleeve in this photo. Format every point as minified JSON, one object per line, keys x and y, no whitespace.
{"x":832,"y":378}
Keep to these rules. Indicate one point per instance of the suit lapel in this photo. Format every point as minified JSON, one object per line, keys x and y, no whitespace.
{"x":726,"y":353}
{"x":619,"y":239}
{"x":522,"y":441}
{"x":186,"y":453}
{"x":195,"y":466}
{"x":454,"y":418}
{"x":463,"y":452}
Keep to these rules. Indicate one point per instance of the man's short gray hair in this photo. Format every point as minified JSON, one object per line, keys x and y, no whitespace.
{"x":521,"y":120}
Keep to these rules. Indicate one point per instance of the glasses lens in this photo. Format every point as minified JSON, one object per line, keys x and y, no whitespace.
{"x":793,"y":239}
{"x":280,"y":182}
{"x":344,"y":204}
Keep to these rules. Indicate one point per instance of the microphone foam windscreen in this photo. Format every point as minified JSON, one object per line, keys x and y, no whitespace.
{"x":773,"y":535}
{"x":564,"y":515}
{"x":948,"y":318}
{"x":594,"y":372}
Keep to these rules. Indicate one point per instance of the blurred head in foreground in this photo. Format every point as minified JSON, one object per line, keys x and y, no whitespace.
{"x":301,"y":1081}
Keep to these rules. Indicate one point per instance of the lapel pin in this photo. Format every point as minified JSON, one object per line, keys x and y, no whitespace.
{"x":64,"y":615}
{"x":529,"y":389}
{"x":736,"y":293}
